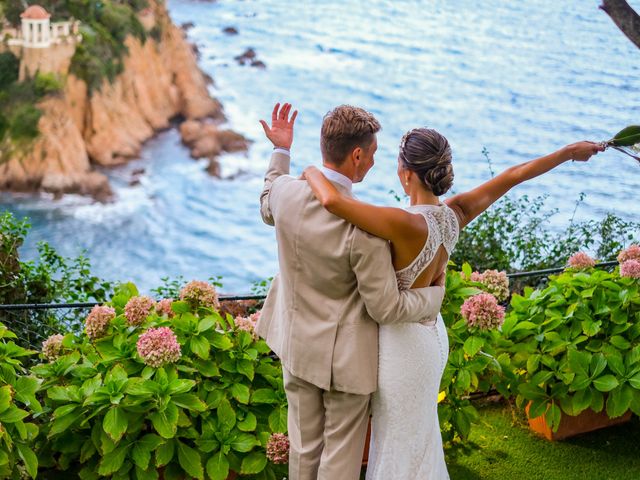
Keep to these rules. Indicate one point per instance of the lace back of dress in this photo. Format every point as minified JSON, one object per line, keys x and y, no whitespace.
{"x":443,"y":230}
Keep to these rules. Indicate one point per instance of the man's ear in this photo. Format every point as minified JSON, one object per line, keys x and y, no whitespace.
{"x":356,"y":155}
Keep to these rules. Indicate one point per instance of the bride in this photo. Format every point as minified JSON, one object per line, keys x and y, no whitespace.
{"x":406,"y":441}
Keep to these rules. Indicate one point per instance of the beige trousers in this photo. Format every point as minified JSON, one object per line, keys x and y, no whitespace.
{"x":327,"y":431}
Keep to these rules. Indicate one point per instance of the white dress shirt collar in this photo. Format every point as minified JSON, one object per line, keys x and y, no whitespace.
{"x":337,"y":177}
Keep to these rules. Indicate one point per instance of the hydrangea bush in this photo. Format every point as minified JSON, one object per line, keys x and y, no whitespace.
{"x":167,"y":388}
{"x":473,"y":318}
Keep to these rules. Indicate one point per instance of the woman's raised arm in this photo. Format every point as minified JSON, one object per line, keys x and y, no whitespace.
{"x":393,"y":224}
{"x":471,"y":204}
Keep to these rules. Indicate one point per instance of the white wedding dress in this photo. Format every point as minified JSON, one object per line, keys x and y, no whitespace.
{"x":406,"y":443}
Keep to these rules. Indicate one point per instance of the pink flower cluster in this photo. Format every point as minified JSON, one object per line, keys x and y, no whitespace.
{"x":631,"y":253}
{"x":98,"y":320}
{"x":278,"y":448}
{"x":482,"y":311}
{"x":248,"y":324}
{"x":137,"y":309}
{"x":630,"y":268}
{"x":158,"y":346}
{"x":495,"y":282}
{"x":200,"y":294}
{"x":581,"y":261}
{"x":52,"y":347}
{"x":163,"y":307}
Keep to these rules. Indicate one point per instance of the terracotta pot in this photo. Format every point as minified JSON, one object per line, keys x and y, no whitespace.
{"x":587,"y":421}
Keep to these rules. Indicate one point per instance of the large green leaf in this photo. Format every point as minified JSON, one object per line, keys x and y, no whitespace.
{"x":207,"y":323}
{"x":553,"y":417}
{"x":61,"y":423}
{"x":244,"y":442}
{"x":5,"y":397}
{"x":166,"y":422}
{"x":29,"y":458}
{"x":264,"y":395}
{"x":115,"y":423}
{"x":253,"y":463}
{"x":226,"y":415}
{"x":142,"y":448}
{"x":581,"y":400}
{"x":619,"y":400}
{"x":218,"y":467}
{"x":240,"y":392}
{"x":245,"y":367}
{"x":164,"y":453}
{"x":180,"y":307}
{"x":278,"y":419}
{"x":113,"y":460}
{"x":627,"y":131}
{"x":200,"y":346}
{"x":605,"y":383}
{"x":190,"y":460}
{"x":221,"y":341}
{"x":189,"y":401}
{"x":635,"y":382}
{"x":179,"y":386}
{"x":532,"y":392}
{"x":249,"y":423}
{"x":13,"y":414}
{"x":472,"y":345}
{"x":579,"y":361}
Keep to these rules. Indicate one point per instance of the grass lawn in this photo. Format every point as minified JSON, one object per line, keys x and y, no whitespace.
{"x":506,"y":449}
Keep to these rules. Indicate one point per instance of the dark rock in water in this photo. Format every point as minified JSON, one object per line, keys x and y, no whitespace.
{"x":138,"y":171}
{"x":231,"y":141}
{"x":213,"y":168}
{"x":134,"y":181}
{"x":187,"y":25}
{"x":258,"y":64}
{"x":249,"y":54}
{"x":230,"y":30}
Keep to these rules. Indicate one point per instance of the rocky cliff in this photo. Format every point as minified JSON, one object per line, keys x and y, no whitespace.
{"x":78,"y":130}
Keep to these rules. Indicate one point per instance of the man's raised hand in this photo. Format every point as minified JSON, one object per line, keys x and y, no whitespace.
{"x":281,"y":131}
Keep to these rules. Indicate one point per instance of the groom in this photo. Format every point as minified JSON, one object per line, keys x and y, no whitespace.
{"x":336,"y":284}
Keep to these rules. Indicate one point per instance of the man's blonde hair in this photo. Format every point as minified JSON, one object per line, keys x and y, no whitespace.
{"x":343,"y":129}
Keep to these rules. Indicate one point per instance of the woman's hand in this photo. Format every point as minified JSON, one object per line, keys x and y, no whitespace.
{"x":281,"y":131}
{"x":310,"y":170}
{"x":583,"y":151}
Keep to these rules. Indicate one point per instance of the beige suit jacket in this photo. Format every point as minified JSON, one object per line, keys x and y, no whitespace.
{"x":336,"y":284}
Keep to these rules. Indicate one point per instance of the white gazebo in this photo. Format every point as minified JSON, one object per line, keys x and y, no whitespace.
{"x":36,"y":27}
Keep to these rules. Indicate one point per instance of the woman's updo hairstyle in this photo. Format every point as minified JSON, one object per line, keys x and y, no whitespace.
{"x":428,"y":154}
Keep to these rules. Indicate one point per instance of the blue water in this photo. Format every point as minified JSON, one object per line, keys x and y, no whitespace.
{"x":519,"y":78}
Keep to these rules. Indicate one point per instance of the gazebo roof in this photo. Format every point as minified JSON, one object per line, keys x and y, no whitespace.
{"x":35,"y":12}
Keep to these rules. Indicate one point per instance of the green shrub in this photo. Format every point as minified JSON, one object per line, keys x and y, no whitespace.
{"x":212,"y":410}
{"x":18,"y":404}
{"x":50,"y":278}
{"x":9,"y":69}
{"x":47,"y":83}
{"x":576,"y":344}
{"x":474,"y":364}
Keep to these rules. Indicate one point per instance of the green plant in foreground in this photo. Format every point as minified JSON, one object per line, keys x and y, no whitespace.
{"x":576,"y":344}
{"x":126,"y":407}
{"x":17,"y":406}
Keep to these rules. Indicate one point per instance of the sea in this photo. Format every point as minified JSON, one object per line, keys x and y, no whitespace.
{"x":515,"y":80}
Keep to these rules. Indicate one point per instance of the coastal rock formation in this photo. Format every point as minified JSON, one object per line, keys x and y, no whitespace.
{"x":161,"y":80}
{"x":206,"y":140}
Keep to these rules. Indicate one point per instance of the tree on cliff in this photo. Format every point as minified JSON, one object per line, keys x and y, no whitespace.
{"x":625,"y":17}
